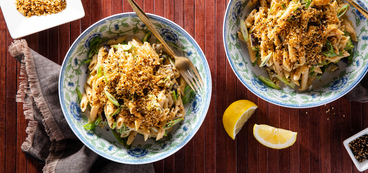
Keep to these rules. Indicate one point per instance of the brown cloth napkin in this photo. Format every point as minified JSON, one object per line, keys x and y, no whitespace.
{"x":360,"y":92}
{"x":49,"y":137}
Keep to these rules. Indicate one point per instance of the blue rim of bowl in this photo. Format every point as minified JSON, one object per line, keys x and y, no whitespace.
{"x":309,"y":105}
{"x":208,"y":82}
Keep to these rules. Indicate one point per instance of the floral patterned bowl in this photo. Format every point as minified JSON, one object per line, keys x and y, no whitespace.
{"x":329,"y":88}
{"x":73,"y":75}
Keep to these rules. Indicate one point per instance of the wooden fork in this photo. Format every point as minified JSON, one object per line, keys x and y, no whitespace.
{"x":184,"y":65}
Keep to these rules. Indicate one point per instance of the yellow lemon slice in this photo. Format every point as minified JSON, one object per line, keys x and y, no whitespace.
{"x":273,"y":137}
{"x":236,"y":115}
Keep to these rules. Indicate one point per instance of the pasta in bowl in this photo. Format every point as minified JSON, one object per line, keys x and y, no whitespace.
{"x":296,"y":41}
{"x":107,"y":101}
{"x":133,"y":88}
{"x":310,"y":52}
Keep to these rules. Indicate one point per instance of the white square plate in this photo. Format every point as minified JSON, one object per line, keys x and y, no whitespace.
{"x":20,"y":26}
{"x":361,"y":166}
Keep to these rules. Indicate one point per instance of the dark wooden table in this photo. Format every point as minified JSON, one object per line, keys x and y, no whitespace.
{"x":320,"y":132}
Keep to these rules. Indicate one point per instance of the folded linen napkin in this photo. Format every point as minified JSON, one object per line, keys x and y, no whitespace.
{"x":49,"y":137}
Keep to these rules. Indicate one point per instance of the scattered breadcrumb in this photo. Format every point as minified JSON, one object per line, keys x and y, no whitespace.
{"x":306,"y":112}
{"x":343,"y":115}
{"x":328,"y":118}
{"x":328,"y":110}
{"x":40,"y":7}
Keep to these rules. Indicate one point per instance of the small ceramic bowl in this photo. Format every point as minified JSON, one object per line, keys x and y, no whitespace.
{"x":102,"y":141}
{"x":361,"y":166}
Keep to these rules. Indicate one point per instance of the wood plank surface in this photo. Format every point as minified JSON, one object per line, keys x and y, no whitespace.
{"x":321,"y":130}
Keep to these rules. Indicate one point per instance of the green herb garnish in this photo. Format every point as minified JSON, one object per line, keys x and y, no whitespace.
{"x":120,"y":140}
{"x":330,"y":52}
{"x":265,"y":60}
{"x":87,"y":61}
{"x":188,"y":95}
{"x":175,"y":96}
{"x":78,"y":93}
{"x":104,"y":71}
{"x":146,"y":37}
{"x":99,"y":71}
{"x":258,"y":55}
{"x":122,"y":130}
{"x":268,"y":82}
{"x":342,"y":10}
{"x":93,"y":46}
{"x":98,"y":121}
{"x":307,"y":3}
{"x":112,"y":98}
{"x":116,"y":112}
{"x":284,"y":80}
{"x":173,"y":122}
{"x":90,"y":126}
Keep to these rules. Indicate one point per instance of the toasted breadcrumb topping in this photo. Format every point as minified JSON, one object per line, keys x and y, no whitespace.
{"x":40,"y":7}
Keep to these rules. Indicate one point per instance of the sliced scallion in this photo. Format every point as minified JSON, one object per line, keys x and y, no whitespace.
{"x":87,"y":61}
{"x":244,"y":30}
{"x":342,"y":10}
{"x":174,"y":95}
{"x":312,"y":68}
{"x":122,"y":130}
{"x":127,"y":47}
{"x":173,"y":122}
{"x":187,"y":97}
{"x":93,"y":48}
{"x":265,"y":60}
{"x":90,"y":126}
{"x":272,"y":4}
{"x":146,"y":37}
{"x":120,"y":140}
{"x":268,"y":82}
{"x":99,"y":71}
{"x":283,"y":79}
{"x":104,"y":71}
{"x":258,"y":55}
{"x":187,"y":88}
{"x":307,"y":3}
{"x":112,"y":98}
{"x":98,"y":121}
{"x":78,"y":93}
{"x":350,"y":58}
{"x":349,"y":44}
{"x":116,"y":112}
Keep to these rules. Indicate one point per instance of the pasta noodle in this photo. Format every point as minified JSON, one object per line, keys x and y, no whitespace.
{"x":297,"y":41}
{"x":135,"y":88}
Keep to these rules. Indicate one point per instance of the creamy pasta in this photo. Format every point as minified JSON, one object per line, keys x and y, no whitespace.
{"x":296,"y":42}
{"x":135,"y":87}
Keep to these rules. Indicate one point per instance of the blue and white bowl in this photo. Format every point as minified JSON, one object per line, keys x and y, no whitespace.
{"x":102,"y":141}
{"x":330,"y":87}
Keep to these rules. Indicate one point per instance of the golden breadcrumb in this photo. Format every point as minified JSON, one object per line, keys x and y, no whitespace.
{"x":40,"y":7}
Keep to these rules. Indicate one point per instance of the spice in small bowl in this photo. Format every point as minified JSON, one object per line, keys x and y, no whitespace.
{"x":359,"y":147}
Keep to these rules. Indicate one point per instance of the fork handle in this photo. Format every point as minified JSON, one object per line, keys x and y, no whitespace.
{"x":359,"y":8}
{"x":150,"y":26}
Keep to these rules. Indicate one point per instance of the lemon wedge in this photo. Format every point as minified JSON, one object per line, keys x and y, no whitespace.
{"x":274,"y":137}
{"x":236,"y":115}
